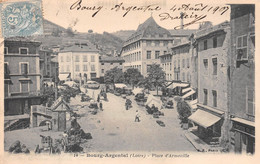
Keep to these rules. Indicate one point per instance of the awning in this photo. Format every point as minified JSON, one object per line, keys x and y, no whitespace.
{"x":186,"y":90}
{"x":63,"y":76}
{"x":174,"y":85}
{"x":203,"y":118}
{"x":118,"y":85}
{"x":188,"y":94}
{"x":243,"y":121}
{"x":137,"y":90}
{"x":151,"y":100}
{"x":194,"y":101}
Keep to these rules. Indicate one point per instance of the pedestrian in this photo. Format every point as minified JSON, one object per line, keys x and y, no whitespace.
{"x":137,"y":116}
{"x":98,"y":98}
{"x":101,"y":105}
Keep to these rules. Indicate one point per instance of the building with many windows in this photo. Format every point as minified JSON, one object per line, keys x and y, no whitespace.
{"x":21,"y":75}
{"x":78,"y":61}
{"x":144,"y":47}
{"x":242,"y":76}
{"x":213,"y":48}
{"x":109,"y":62}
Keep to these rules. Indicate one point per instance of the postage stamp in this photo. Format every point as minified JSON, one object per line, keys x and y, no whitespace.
{"x":23,"y":18}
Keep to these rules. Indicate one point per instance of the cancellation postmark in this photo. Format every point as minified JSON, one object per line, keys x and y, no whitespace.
{"x":21,"y":18}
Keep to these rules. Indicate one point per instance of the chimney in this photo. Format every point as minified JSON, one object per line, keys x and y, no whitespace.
{"x":182,"y":14}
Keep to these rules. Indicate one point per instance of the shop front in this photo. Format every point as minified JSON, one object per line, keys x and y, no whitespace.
{"x":243,"y":135}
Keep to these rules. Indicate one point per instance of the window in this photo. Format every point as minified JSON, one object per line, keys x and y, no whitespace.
{"x":102,"y":71}
{"x":165,"y":43}
{"x":77,"y":68}
{"x":61,"y":69}
{"x":205,"y":45}
{"x":250,"y":106}
{"x":76,"y":58}
{"x":6,"y":88}
{"x":93,"y":68}
{"x":179,"y":63}
{"x":92,"y":58}
{"x":24,"y":86}
{"x":148,"y":43}
{"x":188,"y":63}
{"x":183,"y":76}
{"x":170,"y":66}
{"x":148,"y":68}
{"x":215,"y":66}
{"x":242,"y":48}
{"x":183,"y":63}
{"x":6,"y":50}
{"x":206,"y":64}
{"x":164,"y":52}
{"x":24,"y":68}
{"x":61,"y":59}
{"x":215,"y":42}
{"x":23,"y":51}
{"x":68,"y":58}
{"x":148,"y":54}
{"x":174,"y":63}
{"x":157,"y":54}
{"x":214,"y":94}
{"x":205,"y":102}
{"x":85,"y":58}
{"x":85,"y":67}
{"x":157,"y":43}
{"x":6,"y":69}
{"x":188,"y":77}
{"x":68,"y":68}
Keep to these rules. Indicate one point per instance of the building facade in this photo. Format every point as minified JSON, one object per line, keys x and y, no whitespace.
{"x":109,"y":62}
{"x":144,"y":47}
{"x":213,"y":60}
{"x":78,"y":61}
{"x":21,"y":75}
{"x":242,"y":75}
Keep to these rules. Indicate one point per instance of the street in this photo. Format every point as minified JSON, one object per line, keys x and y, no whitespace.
{"x":114,"y":129}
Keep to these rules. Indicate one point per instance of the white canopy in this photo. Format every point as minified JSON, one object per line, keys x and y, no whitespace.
{"x":174,"y":85}
{"x":151,"y":100}
{"x":191,"y":92}
{"x":63,"y":76}
{"x":203,"y":118}
{"x":137,"y":90}
{"x":186,"y":90}
{"x":120,"y":85}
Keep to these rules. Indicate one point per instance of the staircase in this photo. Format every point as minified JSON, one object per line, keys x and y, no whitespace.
{"x":16,"y":124}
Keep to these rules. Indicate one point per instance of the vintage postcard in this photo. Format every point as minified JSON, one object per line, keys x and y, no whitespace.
{"x":143,"y":81}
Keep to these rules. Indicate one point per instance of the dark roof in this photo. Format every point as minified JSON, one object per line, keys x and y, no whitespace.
{"x":111,"y":59}
{"x":149,"y":27}
{"x":217,"y":28}
{"x":83,"y":47}
{"x":22,"y":39}
{"x":182,"y":32}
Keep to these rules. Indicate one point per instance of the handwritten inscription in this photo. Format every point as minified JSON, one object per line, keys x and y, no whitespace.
{"x":194,"y":13}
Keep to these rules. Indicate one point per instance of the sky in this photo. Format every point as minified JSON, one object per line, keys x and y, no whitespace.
{"x":112,"y":18}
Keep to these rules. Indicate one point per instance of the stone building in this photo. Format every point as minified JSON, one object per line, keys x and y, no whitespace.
{"x":213,"y":60}
{"x":79,"y":60}
{"x":144,"y":47}
{"x":242,"y":76}
{"x":21,"y":75}
{"x":109,"y":62}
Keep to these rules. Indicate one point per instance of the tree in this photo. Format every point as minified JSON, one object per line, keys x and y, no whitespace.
{"x":70,"y":32}
{"x":132,"y":76}
{"x":145,"y":83}
{"x":184,"y":111}
{"x":114,"y":75}
{"x":156,"y":76}
{"x":90,"y":31}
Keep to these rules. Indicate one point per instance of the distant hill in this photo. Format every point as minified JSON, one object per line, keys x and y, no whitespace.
{"x":57,"y":35}
{"x":124,"y":34}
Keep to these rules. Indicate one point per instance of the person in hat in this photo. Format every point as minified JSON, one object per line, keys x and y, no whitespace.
{"x":137,"y":116}
{"x":101,"y":105}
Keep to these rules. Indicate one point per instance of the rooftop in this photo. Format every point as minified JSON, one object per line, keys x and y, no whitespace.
{"x":182,"y":32}
{"x":22,"y":39}
{"x":80,"y":47}
{"x":111,"y":59}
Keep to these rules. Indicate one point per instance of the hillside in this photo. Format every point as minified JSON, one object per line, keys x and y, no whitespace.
{"x":57,"y":35}
{"x":123,"y":34}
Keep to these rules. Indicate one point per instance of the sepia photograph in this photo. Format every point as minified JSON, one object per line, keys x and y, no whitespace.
{"x":127,"y":79}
